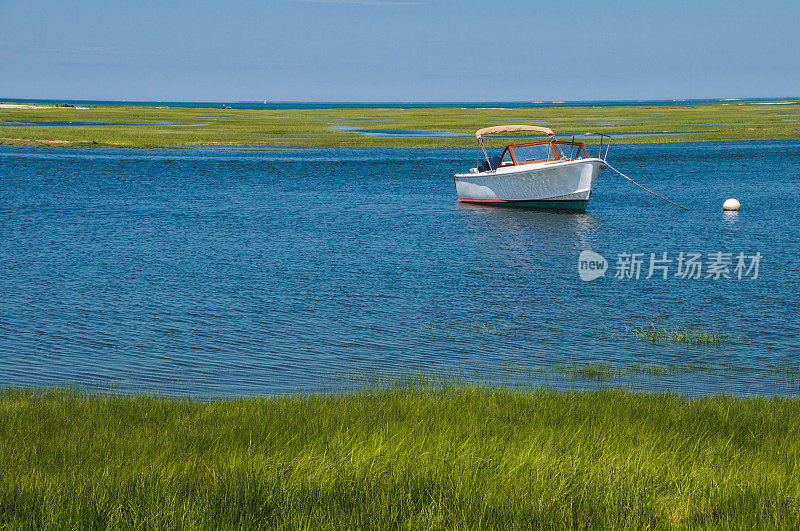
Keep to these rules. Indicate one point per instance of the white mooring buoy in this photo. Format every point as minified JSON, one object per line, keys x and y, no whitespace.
{"x":731,"y":204}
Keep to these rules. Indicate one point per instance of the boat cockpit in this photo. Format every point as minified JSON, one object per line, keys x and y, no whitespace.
{"x":550,"y":150}
{"x":535,"y":152}
{"x":542,"y":152}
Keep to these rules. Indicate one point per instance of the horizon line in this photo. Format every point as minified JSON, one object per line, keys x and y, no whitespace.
{"x":398,"y":102}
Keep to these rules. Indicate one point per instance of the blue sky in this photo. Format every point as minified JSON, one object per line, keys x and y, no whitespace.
{"x":387,"y":50}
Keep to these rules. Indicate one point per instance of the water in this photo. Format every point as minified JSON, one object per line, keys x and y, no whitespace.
{"x":213,"y":272}
{"x":399,"y":132}
{"x":662,"y":133}
{"x":398,"y":105}
{"x":649,"y":133}
{"x":425,"y":133}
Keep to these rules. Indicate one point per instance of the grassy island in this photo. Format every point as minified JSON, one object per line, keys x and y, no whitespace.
{"x":153,"y":127}
{"x":408,"y":456}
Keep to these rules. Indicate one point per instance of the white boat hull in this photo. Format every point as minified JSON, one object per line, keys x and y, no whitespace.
{"x":553,"y":185}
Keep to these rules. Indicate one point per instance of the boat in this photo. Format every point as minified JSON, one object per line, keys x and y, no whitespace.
{"x":547,"y":174}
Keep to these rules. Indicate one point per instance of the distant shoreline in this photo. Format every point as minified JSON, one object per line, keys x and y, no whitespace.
{"x":287,"y":105}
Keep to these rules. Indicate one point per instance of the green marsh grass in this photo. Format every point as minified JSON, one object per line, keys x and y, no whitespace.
{"x":315,"y":127}
{"x":416,"y":454}
{"x":590,"y":371}
{"x":678,"y":334}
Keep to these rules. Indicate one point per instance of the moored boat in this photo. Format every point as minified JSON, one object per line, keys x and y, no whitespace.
{"x":547,"y":174}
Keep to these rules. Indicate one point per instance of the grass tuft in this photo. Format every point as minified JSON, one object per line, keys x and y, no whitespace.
{"x":677,"y":334}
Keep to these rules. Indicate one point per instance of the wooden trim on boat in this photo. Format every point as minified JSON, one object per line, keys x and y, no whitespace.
{"x":552,"y":143}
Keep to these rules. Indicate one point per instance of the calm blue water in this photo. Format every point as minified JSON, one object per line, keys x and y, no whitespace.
{"x":390,"y":105}
{"x":220,"y":273}
{"x":400,"y":132}
{"x":431,"y":134}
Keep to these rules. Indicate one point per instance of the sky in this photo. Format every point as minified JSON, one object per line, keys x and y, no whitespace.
{"x":398,"y":50}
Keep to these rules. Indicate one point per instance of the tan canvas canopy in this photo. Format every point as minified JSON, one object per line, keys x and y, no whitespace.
{"x":514,"y":128}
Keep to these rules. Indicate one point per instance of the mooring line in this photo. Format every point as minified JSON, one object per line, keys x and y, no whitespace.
{"x":645,"y":189}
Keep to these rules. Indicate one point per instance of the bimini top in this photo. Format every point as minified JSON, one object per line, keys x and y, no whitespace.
{"x":514,"y":128}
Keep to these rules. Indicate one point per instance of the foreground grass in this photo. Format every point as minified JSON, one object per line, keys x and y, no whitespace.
{"x":415,"y":456}
{"x":314,"y":127}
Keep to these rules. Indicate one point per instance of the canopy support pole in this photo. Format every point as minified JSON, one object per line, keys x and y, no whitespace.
{"x":480,"y":141}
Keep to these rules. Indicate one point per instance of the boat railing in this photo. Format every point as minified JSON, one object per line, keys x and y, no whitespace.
{"x":493,"y":163}
{"x":600,"y":155}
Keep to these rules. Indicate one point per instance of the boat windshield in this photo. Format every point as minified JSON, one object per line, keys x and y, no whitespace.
{"x":570,"y":150}
{"x":532,"y":152}
{"x":542,"y":152}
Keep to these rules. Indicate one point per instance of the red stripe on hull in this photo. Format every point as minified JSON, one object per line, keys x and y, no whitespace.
{"x":523,"y":200}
